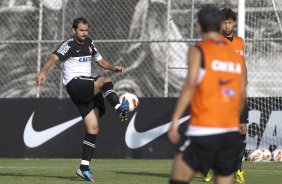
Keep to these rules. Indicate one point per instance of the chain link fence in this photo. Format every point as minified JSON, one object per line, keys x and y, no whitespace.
{"x":149,"y":37}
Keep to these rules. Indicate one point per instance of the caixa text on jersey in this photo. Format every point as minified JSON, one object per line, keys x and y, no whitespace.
{"x":84,"y":59}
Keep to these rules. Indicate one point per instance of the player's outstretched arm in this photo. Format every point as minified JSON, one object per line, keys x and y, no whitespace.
{"x":108,"y":66}
{"x":41,"y":76}
{"x":187,"y":91}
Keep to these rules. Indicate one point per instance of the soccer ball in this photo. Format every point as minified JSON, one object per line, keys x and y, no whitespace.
{"x":256,"y":155}
{"x":266,"y":155}
{"x":277,"y":155}
{"x":132,"y":99}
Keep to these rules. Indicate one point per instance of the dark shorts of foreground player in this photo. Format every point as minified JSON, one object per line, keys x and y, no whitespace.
{"x":219,"y":152}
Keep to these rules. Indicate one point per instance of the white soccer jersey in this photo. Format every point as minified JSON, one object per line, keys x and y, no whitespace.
{"x":76,"y":58}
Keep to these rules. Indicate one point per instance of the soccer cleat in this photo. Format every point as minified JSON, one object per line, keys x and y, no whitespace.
{"x":79,"y":173}
{"x":123,"y":110}
{"x":239,"y":176}
{"x":208,"y":177}
{"x":123,"y":116}
{"x":86,"y":175}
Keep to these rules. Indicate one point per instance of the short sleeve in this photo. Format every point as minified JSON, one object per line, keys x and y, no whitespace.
{"x":96,"y":54}
{"x":63,"y":51}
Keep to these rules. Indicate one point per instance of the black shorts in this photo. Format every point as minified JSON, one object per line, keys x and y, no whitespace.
{"x":244,"y":118}
{"x":81,"y":92}
{"x":219,"y":152}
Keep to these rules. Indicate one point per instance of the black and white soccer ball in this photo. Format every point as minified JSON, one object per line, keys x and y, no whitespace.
{"x":256,"y":155}
{"x":132,"y":99}
{"x":277,"y":155}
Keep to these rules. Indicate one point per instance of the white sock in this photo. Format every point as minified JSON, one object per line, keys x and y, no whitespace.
{"x":84,"y":162}
{"x":117,"y":106}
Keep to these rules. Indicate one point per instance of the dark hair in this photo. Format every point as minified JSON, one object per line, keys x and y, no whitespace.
{"x":227,"y":14}
{"x":77,"y":21}
{"x":210,"y":17}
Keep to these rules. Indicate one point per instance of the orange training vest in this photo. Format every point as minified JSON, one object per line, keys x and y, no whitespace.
{"x":216,"y":102}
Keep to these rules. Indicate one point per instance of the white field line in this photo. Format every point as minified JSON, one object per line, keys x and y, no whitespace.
{"x":24,"y":167}
{"x":262,"y":170}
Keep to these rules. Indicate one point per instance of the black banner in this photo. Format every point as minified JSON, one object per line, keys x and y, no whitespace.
{"x":36,"y":128}
{"x":265,"y":123}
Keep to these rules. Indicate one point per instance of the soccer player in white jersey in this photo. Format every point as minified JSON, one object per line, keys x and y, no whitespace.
{"x":85,"y":90}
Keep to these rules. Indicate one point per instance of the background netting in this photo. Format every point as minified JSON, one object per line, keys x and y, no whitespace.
{"x":133,"y":33}
{"x":263,"y":52}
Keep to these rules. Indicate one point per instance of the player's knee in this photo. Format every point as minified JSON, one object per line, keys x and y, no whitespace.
{"x":93,"y":130}
{"x":101,"y":81}
{"x":105,"y":79}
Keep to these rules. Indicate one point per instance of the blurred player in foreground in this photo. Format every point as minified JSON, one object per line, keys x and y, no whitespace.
{"x":215,"y":89}
{"x":237,"y":44}
{"x":84,"y":89}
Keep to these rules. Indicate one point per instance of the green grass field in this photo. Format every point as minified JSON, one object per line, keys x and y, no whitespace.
{"x":112,"y":171}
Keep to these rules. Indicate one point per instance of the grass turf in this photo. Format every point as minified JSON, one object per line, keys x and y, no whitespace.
{"x":123,"y":171}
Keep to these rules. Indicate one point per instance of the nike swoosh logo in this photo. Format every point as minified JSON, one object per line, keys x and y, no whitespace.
{"x":77,"y":50}
{"x":134,"y":139}
{"x":224,"y":82}
{"x":33,"y":138}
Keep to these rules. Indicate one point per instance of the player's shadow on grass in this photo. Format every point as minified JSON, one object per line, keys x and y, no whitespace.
{"x":72,"y":178}
{"x":162,"y":175}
